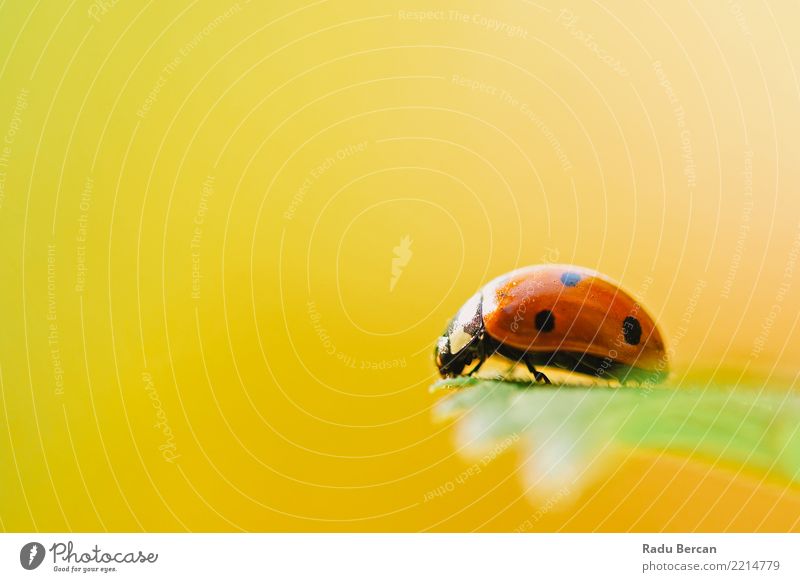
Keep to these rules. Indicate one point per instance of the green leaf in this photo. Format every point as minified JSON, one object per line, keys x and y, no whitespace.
{"x":569,"y":434}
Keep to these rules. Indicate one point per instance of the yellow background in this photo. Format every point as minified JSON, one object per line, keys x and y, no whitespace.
{"x":281,"y":151}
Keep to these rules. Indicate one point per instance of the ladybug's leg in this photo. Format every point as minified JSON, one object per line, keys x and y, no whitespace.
{"x":481,"y":359}
{"x":478,"y":366}
{"x":538,"y":376}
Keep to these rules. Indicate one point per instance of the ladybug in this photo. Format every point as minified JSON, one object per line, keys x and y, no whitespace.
{"x":560,"y":316}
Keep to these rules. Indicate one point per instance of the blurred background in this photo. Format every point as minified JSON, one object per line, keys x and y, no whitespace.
{"x":232,"y":232}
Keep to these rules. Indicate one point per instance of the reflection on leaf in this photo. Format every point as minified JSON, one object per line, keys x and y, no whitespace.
{"x":569,"y":434}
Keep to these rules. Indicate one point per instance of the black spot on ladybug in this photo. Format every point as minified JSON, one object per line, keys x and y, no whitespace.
{"x":632,"y":330}
{"x":570,"y":279}
{"x":545,"y":321}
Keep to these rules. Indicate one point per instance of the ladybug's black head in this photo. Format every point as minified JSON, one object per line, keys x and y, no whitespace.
{"x":462,"y":341}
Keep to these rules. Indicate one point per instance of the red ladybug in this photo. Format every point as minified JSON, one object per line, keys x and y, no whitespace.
{"x":561,"y":316}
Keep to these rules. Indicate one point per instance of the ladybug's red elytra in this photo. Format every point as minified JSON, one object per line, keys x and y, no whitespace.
{"x":560,"y":316}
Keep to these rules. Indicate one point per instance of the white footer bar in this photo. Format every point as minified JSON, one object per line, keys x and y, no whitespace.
{"x":378,"y":557}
